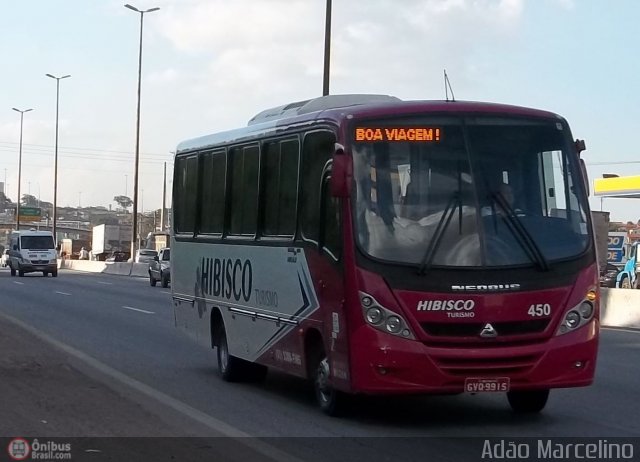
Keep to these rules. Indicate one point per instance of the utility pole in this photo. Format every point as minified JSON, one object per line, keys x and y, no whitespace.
{"x":327,"y":50}
{"x":164,"y":198}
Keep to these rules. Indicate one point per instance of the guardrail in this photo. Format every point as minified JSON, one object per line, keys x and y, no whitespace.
{"x":620,"y":308}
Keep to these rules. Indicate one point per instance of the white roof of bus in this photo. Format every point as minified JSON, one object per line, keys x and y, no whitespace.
{"x":266,"y":120}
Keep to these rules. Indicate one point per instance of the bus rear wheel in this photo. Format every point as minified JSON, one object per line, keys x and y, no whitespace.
{"x":528,"y":402}
{"x":230,"y":368}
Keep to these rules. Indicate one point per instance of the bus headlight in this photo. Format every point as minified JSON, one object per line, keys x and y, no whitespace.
{"x":586,"y":310}
{"x":374,"y":315}
{"x":383,"y":319}
{"x":394,"y":325}
{"x":572,"y":319}
{"x":579,"y":315}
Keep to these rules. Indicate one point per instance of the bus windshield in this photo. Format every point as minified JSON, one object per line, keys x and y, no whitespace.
{"x":468,"y":192}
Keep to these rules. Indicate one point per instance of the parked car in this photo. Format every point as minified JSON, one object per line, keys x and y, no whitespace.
{"x":608,"y":275}
{"x":117,"y":257}
{"x":160,"y":268}
{"x":145,"y":255}
{"x":5,"y":258}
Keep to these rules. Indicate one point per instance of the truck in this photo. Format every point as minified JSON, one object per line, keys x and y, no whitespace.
{"x":629,"y":277}
{"x":107,"y":239}
{"x":70,"y":248}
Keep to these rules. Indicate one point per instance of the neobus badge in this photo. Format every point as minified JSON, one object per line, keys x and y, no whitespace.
{"x":446,"y":305}
{"x":486,"y":287}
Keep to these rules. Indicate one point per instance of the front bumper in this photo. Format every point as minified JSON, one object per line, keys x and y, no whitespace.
{"x":397,"y":366}
{"x":32,"y":267}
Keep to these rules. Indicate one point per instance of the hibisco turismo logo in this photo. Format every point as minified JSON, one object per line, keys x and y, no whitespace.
{"x":453,"y":308}
{"x":21,"y":449}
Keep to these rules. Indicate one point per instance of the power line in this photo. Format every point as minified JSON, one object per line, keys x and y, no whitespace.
{"x":11,"y":143}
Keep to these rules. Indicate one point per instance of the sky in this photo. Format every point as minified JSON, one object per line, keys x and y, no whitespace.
{"x":211,"y":65}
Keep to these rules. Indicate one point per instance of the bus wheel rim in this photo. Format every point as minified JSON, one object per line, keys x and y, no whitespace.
{"x":322,"y":380}
{"x":224,"y":355}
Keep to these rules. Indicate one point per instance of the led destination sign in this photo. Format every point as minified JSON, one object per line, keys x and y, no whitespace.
{"x":393,"y":134}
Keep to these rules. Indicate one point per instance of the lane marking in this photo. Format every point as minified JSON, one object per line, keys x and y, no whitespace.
{"x":17,"y":282}
{"x":105,"y":283}
{"x":91,"y":364}
{"x":633,"y":330}
{"x":166,"y":292}
{"x":137,"y":309}
{"x":63,"y":293}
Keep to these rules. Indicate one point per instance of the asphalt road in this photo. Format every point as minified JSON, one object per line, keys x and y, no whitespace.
{"x":126,"y":326}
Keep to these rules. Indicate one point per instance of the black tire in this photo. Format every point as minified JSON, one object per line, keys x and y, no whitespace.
{"x":54,"y":273}
{"x":164,"y":280}
{"x":528,"y":402}
{"x":21,"y":273}
{"x":230,"y":368}
{"x":45,"y":274}
{"x":331,"y":401}
{"x":13,"y":271}
{"x":152,"y":281}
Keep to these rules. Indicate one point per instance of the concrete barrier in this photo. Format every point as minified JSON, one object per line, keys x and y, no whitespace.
{"x":620,"y":308}
{"x":84,"y":265}
{"x":118,"y":268}
{"x":140,"y":270}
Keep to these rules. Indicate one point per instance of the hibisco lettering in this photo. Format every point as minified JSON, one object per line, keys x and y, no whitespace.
{"x":227,"y":278}
{"x":446,"y":305}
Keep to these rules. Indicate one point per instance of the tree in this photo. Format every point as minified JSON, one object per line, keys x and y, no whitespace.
{"x":5,"y":202}
{"x":29,"y":201}
{"x":123,"y":201}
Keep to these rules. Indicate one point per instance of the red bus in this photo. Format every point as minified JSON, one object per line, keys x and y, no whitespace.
{"x":379,"y":246}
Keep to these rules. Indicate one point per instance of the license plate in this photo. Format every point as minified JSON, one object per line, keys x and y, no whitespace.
{"x":483,"y":385}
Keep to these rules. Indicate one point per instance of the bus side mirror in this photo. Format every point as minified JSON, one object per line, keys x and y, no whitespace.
{"x":340,"y":173}
{"x":580,"y":146}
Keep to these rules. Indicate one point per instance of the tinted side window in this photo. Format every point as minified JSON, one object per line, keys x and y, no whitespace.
{"x":317,"y":149}
{"x":280,"y":187}
{"x":244,"y":167}
{"x":186,"y":188}
{"x":214,"y":166}
{"x":331,"y":239}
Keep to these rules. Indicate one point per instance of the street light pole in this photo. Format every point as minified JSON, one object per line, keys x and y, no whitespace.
{"x":55,"y":162}
{"x":19,"y":166}
{"x":164,"y":198}
{"x":134,"y":230}
{"x":327,"y":49}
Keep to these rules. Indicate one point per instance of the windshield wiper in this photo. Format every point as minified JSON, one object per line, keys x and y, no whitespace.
{"x":520,"y":232}
{"x":447,"y":214}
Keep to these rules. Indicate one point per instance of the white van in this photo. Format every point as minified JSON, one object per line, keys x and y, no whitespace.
{"x":31,"y":251}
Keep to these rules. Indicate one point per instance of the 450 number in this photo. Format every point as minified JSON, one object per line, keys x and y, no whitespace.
{"x":540,"y":309}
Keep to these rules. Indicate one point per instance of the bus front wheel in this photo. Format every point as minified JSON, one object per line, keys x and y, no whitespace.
{"x":330,"y":400}
{"x":528,"y":402}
